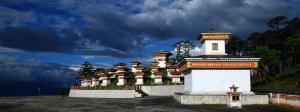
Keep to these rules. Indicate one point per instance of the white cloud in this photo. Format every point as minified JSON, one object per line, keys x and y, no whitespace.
{"x":150,"y":4}
{"x":194,"y":52}
{"x":14,"y":17}
{"x":9,"y":50}
{"x":76,"y":69}
{"x":88,"y":57}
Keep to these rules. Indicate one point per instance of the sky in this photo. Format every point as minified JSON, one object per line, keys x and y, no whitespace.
{"x":43,"y":42}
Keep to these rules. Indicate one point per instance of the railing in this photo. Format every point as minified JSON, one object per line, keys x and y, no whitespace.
{"x":285,"y":99}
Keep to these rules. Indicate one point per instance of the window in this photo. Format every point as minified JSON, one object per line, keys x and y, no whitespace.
{"x":235,"y":97}
{"x":214,"y":46}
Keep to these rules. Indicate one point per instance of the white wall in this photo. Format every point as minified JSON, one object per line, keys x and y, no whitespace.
{"x":207,"y":47}
{"x":95,"y":83}
{"x":162,"y":62}
{"x":218,"y":81}
{"x":133,"y":69}
{"x":187,"y":81}
{"x":176,"y":80}
{"x":102,"y":93}
{"x":162,"y":90}
{"x":139,"y":81}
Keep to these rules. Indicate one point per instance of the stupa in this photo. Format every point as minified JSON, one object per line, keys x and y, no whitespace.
{"x":121,"y":73}
{"x":161,"y":57}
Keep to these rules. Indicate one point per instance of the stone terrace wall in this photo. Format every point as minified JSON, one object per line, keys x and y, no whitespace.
{"x":219,"y":99}
{"x":102,"y":93}
{"x":285,"y":99}
{"x":162,"y":90}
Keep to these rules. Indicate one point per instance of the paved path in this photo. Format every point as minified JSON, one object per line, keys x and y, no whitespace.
{"x":146,"y":104}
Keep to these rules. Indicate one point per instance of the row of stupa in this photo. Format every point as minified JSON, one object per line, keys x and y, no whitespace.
{"x":207,"y":77}
{"x":210,"y":73}
{"x":119,"y":71}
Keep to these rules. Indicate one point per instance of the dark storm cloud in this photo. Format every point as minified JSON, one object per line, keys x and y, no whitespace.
{"x":65,"y":41}
{"x":13,"y":69}
{"x":113,"y":53}
{"x":116,"y":28}
{"x":44,"y":39}
{"x":24,"y":77}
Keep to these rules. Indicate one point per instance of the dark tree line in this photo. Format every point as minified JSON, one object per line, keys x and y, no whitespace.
{"x":278,"y":46}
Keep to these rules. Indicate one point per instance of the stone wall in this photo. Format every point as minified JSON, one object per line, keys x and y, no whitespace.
{"x":255,"y":99}
{"x":285,"y":99}
{"x":162,"y":90}
{"x":102,"y":93}
{"x":219,"y":99}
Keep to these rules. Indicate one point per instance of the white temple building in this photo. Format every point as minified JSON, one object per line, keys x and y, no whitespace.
{"x":215,"y":71}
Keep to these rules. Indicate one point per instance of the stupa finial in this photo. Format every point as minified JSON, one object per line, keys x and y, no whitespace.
{"x":212,"y":28}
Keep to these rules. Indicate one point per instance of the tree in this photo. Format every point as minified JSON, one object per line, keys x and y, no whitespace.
{"x":183,"y":49}
{"x":276,"y":22}
{"x":294,"y":43}
{"x":270,"y":60}
{"x":235,"y":46}
{"x":131,"y":79}
{"x":86,"y":69}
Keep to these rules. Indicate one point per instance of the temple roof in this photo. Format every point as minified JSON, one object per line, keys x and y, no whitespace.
{"x":99,"y":71}
{"x":171,"y":67}
{"x":220,"y":56}
{"x":104,"y":75}
{"x":170,"y":63}
{"x":121,"y":73}
{"x":154,"y":67}
{"x":218,"y":62}
{"x":111,"y":70}
{"x":176,"y":73}
{"x":162,"y":52}
{"x":96,"y":76}
{"x":139,"y":68}
{"x":139,"y":73}
{"x":154,"y":62}
{"x":158,"y":73}
{"x":120,"y":64}
{"x":213,"y":35}
{"x":135,"y":62}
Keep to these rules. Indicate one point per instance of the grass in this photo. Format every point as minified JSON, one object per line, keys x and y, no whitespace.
{"x":289,"y":82}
